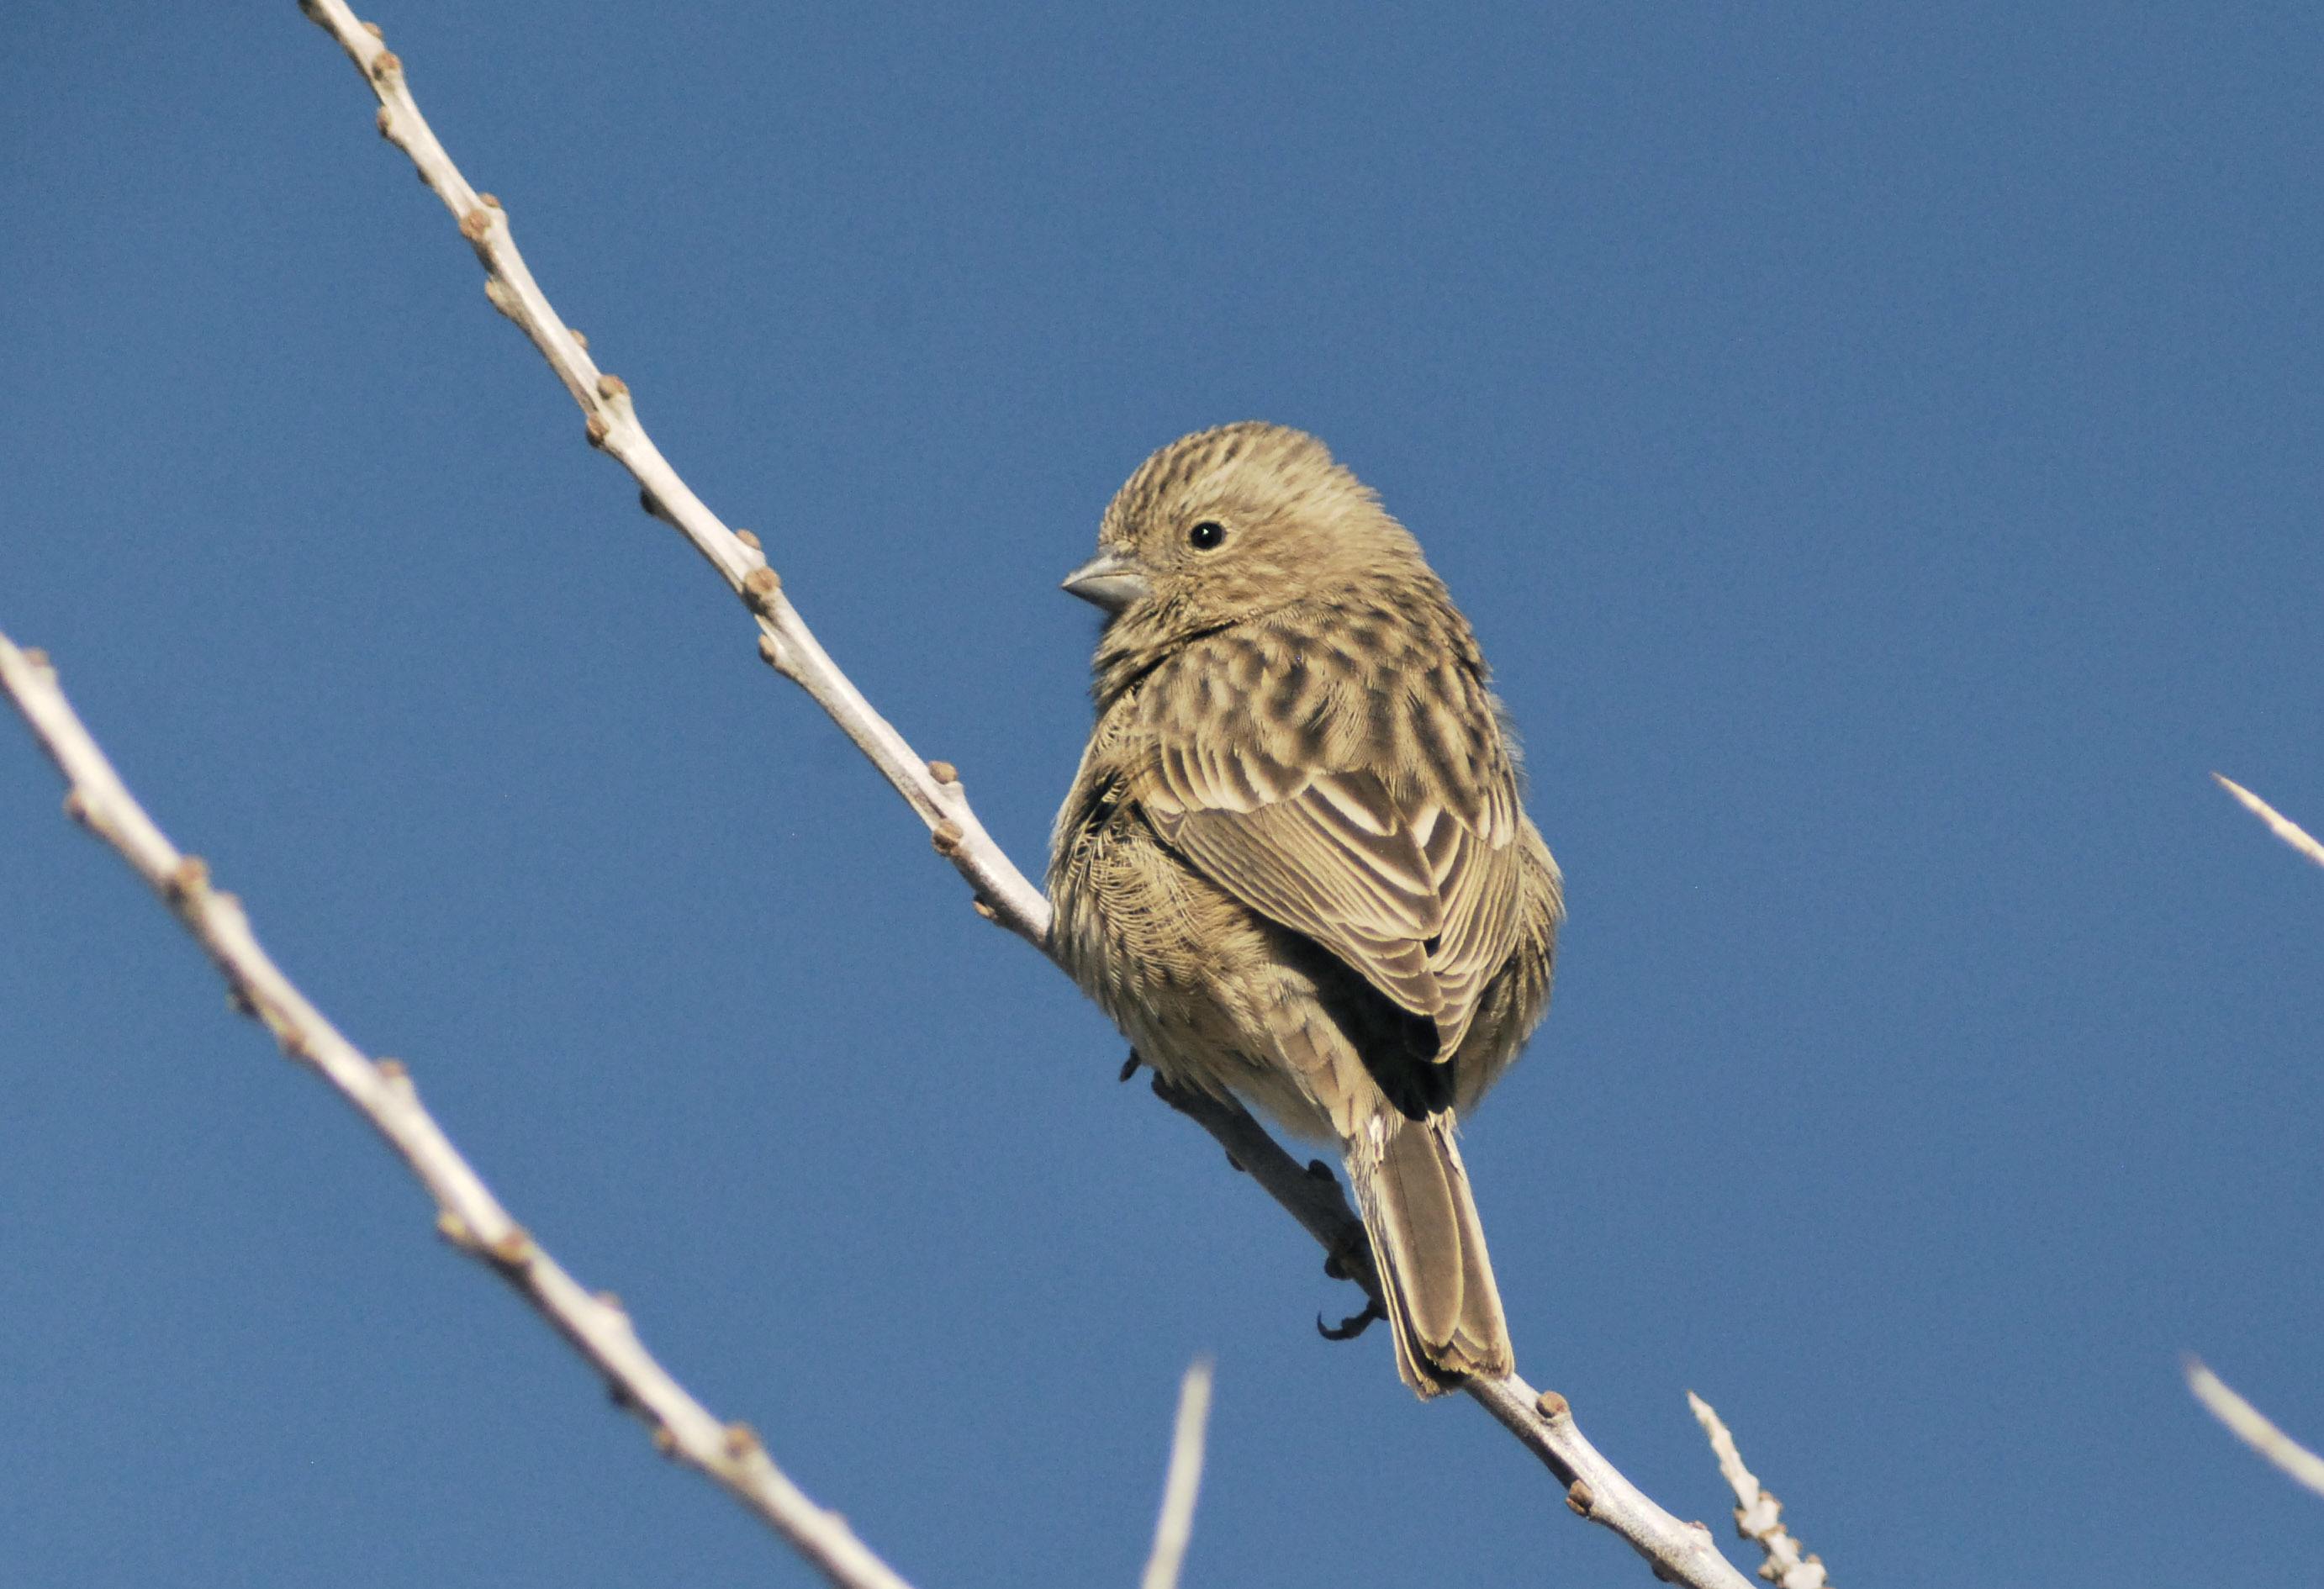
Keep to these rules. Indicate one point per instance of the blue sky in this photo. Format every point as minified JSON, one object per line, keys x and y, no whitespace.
{"x":1878,"y":447}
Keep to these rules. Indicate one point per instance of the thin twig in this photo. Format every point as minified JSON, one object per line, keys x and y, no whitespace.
{"x":2282,"y":827}
{"x":1758,"y":1515}
{"x":1679,"y":1551}
{"x":610,"y":422}
{"x":2253,"y":1430}
{"x":1183,"y":1482}
{"x":468,"y":1214}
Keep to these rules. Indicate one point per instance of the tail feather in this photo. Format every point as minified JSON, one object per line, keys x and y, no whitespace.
{"x":1429,"y":1246}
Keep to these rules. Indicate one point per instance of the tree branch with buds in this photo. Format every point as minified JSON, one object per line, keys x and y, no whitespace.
{"x":468,"y":1215}
{"x":1758,"y":1515}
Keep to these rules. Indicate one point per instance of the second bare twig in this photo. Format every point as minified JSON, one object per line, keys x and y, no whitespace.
{"x":1184,"y":1480}
{"x":467,"y":1213}
{"x":2278,"y":824}
{"x":1758,"y":1515}
{"x":2254,"y":1429}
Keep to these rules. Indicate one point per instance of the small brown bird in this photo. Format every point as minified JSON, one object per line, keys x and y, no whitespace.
{"x":1294,"y":865}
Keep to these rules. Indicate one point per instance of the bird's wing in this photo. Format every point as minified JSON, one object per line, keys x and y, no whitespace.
{"x":1405,"y":869}
{"x":1479,"y":878}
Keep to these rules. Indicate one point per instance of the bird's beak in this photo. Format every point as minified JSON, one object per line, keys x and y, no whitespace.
{"x":1108,"y":580}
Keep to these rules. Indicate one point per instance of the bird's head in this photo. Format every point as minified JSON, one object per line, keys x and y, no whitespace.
{"x":1227,"y":526}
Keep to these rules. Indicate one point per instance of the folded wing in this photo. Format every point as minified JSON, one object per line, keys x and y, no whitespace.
{"x":1403,"y":866}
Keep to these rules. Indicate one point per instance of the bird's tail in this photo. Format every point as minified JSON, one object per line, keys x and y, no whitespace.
{"x":1429,"y":1250}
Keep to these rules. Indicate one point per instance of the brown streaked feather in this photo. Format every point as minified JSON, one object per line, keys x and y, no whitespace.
{"x":1369,"y":902}
{"x":1396,"y":854}
{"x":1481,"y":886}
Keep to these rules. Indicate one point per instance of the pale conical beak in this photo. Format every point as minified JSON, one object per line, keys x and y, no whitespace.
{"x":1108,"y":580}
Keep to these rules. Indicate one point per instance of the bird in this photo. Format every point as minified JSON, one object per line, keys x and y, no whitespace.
{"x":1295,"y":865}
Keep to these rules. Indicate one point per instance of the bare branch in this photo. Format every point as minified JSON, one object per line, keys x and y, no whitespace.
{"x":610,"y":420}
{"x":1185,"y":1482}
{"x":2282,"y":827}
{"x":1595,"y":1488}
{"x":2253,"y":1429}
{"x":1758,"y":1515}
{"x":468,"y":1214}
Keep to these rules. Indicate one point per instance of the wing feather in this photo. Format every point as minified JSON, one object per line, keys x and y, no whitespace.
{"x":1400,"y":860}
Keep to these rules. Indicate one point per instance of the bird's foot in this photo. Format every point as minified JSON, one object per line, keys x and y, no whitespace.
{"x":1354,"y":1325}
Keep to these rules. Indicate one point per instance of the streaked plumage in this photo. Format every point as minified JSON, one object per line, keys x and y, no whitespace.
{"x":1294,"y":865}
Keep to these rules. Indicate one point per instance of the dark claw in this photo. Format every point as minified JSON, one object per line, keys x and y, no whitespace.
{"x":1349,"y":1327}
{"x":1130,"y":1066}
{"x":1321,"y":1171}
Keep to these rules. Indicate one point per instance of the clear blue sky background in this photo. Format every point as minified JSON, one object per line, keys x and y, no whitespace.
{"x":1879,"y":446}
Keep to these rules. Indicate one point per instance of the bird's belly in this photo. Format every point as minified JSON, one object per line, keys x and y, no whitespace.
{"x":1188,"y":974}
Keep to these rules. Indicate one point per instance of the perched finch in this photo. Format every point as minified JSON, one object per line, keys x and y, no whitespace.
{"x":1293,"y":866}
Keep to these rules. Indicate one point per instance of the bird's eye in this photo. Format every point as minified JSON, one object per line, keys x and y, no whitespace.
{"x":1206,"y":536}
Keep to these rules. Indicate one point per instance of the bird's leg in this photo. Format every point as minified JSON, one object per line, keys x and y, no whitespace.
{"x":1348,"y":1248}
{"x":1170,"y":1093}
{"x":1345,"y":1263}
